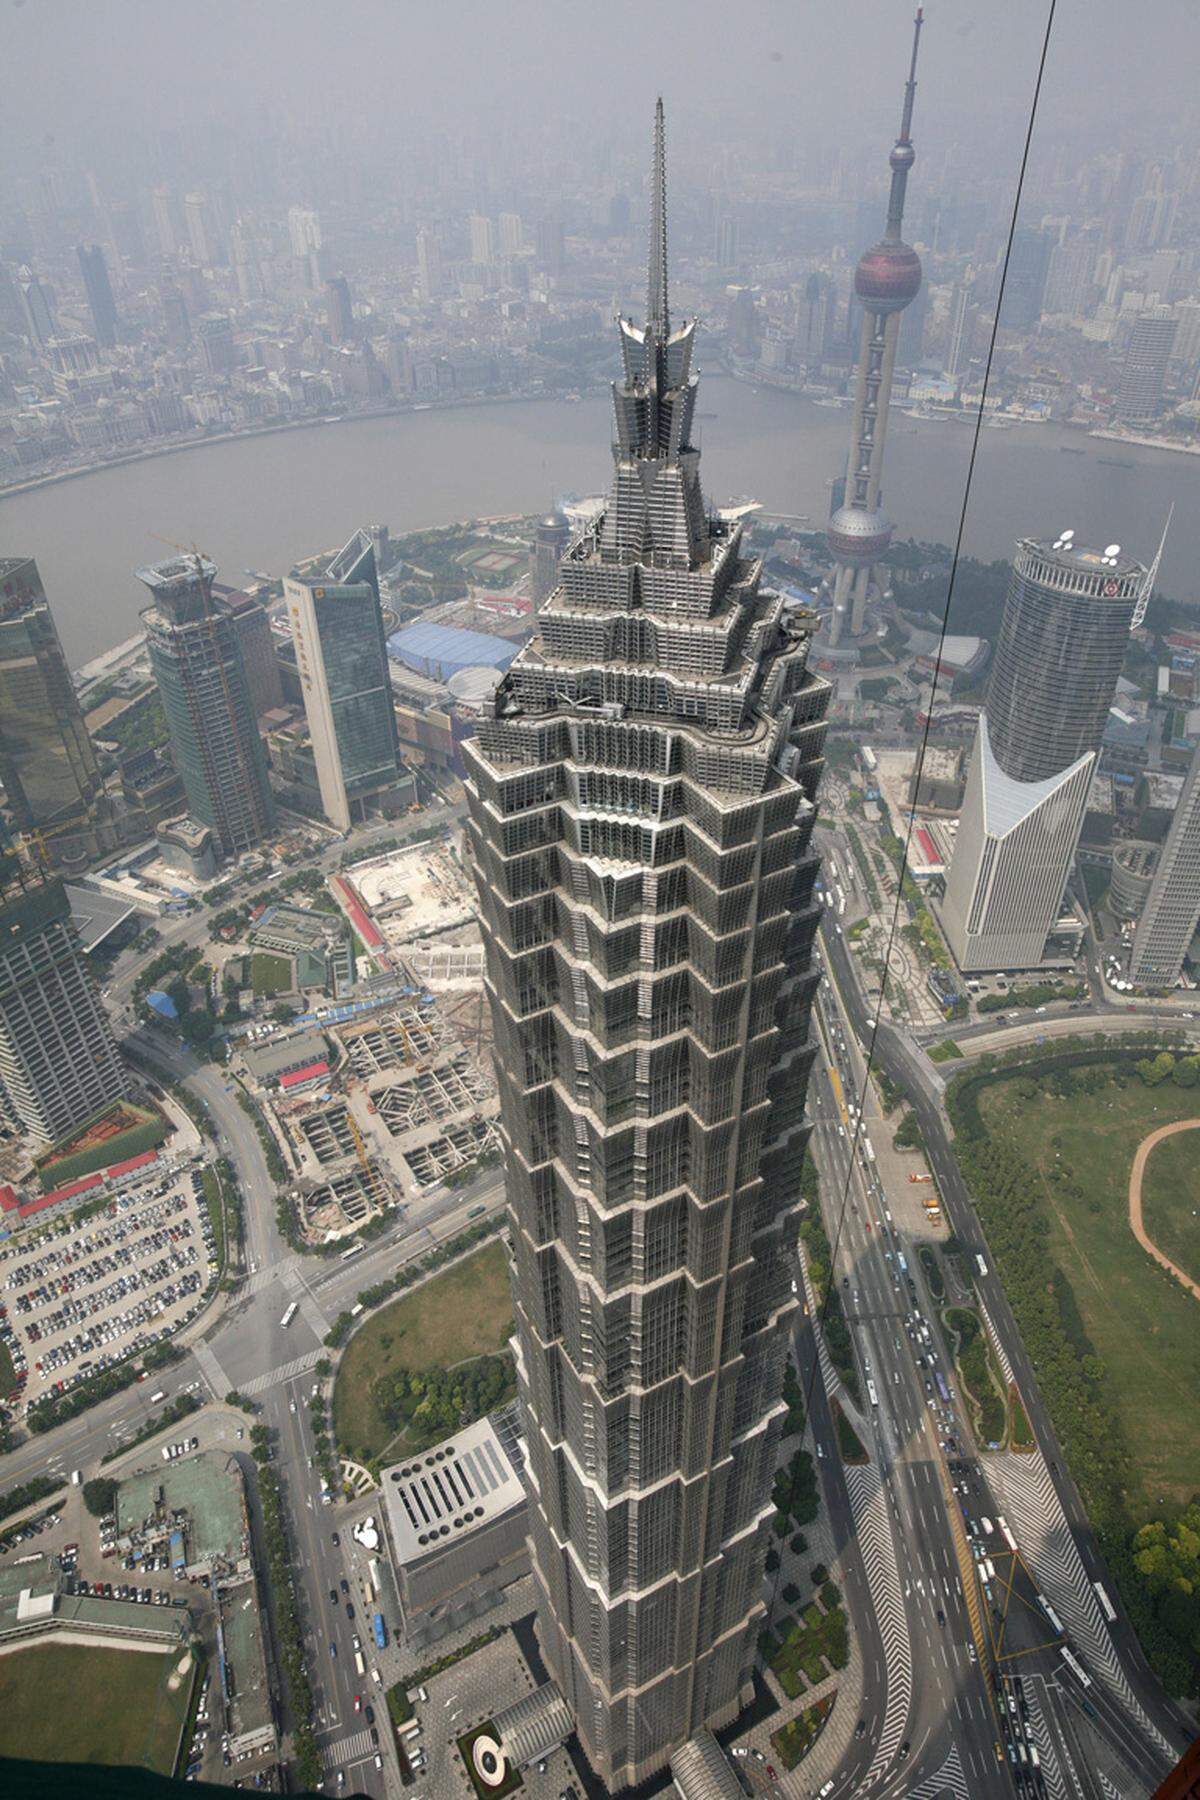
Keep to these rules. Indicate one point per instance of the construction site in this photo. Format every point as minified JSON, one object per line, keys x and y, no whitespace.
{"x":403,"y":1103}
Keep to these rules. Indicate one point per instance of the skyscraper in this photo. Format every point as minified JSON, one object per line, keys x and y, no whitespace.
{"x":550,"y":539}
{"x":164,"y":221}
{"x":1140,"y":395}
{"x":98,"y":289}
{"x":1067,"y":617}
{"x":963,"y":314}
{"x":641,"y":797}
{"x":1069,"y":275}
{"x":342,"y":662}
{"x":58,"y":1061}
{"x":1025,"y":280}
{"x":339,"y":310}
{"x":202,"y":230}
{"x":197,"y":662}
{"x":725,"y":242}
{"x":483,"y":247}
{"x":36,"y":308}
{"x":51,"y":779}
{"x":885,"y":281}
{"x":1172,"y":910}
{"x":429,"y":266}
{"x":512,"y":234}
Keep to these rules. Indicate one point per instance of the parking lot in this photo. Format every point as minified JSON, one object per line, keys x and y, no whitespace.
{"x":74,"y":1299}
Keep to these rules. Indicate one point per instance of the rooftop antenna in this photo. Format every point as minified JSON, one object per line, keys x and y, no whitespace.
{"x":656,"y":285}
{"x":1147,"y":589}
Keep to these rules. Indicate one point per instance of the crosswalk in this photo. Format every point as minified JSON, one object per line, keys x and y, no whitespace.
{"x":949,"y":1779}
{"x":1049,"y":1548}
{"x":1058,"y":1786}
{"x":299,"y":1365}
{"x":998,"y":1349}
{"x":828,"y":1373}
{"x":212,"y":1371}
{"x":347,"y":1750}
{"x":310,"y":1312}
{"x":877,"y":1546}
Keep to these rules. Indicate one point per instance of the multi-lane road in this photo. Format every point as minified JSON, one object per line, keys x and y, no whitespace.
{"x":1122,"y":1728}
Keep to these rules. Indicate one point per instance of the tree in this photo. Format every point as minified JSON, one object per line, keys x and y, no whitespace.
{"x":99,"y":1496}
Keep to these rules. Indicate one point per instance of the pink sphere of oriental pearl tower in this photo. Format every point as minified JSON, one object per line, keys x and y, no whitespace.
{"x":886,"y":280}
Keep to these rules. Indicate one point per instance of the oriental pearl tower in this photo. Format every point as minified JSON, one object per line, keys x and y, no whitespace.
{"x":886,"y":280}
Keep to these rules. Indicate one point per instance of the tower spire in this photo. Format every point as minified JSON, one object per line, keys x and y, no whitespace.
{"x":903,"y":155}
{"x":657,"y":315}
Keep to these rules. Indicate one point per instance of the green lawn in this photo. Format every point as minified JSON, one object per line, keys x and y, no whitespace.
{"x":465,"y":1311}
{"x":270,"y":974}
{"x":1171,"y":1199}
{"x":1140,"y":1324}
{"x":81,"y":1703}
{"x":811,"y":1641}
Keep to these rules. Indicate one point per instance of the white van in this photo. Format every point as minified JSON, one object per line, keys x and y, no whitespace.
{"x":76,"y":1477}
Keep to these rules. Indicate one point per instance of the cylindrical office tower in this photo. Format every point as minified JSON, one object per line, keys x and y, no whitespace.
{"x":1067,"y":617}
{"x":641,"y":794}
{"x":1062,"y":642}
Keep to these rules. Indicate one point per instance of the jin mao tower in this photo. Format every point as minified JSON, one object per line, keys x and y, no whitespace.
{"x":642,"y":796}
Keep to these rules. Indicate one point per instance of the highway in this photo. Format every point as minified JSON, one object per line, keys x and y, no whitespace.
{"x":1130,"y":1719}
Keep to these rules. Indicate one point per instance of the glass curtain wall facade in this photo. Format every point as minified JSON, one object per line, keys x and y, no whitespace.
{"x":642,"y":795}
{"x":342,"y":662}
{"x":47,"y":764}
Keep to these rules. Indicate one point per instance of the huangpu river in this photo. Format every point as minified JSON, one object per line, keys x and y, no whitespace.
{"x":261,"y":503}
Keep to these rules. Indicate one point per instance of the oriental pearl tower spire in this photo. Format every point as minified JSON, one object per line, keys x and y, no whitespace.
{"x":887,"y":279}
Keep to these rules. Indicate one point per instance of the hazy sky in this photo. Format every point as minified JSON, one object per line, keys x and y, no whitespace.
{"x":80,"y":70}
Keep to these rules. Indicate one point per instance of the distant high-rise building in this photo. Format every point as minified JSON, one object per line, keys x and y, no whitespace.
{"x":641,"y":793}
{"x":512,"y":234}
{"x":550,"y":539}
{"x":59,"y":1065}
{"x":165,"y":226}
{"x":961,"y":327}
{"x":177,"y":327}
{"x":51,"y":779}
{"x":429,"y":266}
{"x":202,"y":231}
{"x":910,"y":345}
{"x":339,"y":310}
{"x":36,"y":307}
{"x":815,"y":319}
{"x":1185,"y":346}
{"x":1067,"y":617}
{"x":304,"y":232}
{"x":725,"y":243}
{"x":551,"y":247}
{"x":483,"y":248}
{"x":197,"y":661}
{"x":1025,"y":279}
{"x":342,"y":663}
{"x":886,"y":280}
{"x":1140,"y":395}
{"x":1151,"y":218}
{"x":1172,"y":909}
{"x":1070,"y":273}
{"x":247,"y":264}
{"x":216,"y":342}
{"x":98,"y":289}
{"x":745,"y":331}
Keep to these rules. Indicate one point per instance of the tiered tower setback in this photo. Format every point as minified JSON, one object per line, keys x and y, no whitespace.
{"x":887,"y":279}
{"x":642,"y":797}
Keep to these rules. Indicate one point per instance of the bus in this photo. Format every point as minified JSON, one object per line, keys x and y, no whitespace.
{"x":289,"y":1315}
{"x":359,"y":1665}
{"x":871,"y":1391}
{"x":380,"y":1630}
{"x":352,"y":1251}
{"x":1051,"y":1615}
{"x":1009,"y":1539}
{"x":1076,"y":1667}
{"x":939,"y":1381}
{"x":980,"y":1264}
{"x":1106,"y":1605}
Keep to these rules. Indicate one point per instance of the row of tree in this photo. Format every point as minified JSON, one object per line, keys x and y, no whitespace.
{"x":290,"y":1637}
